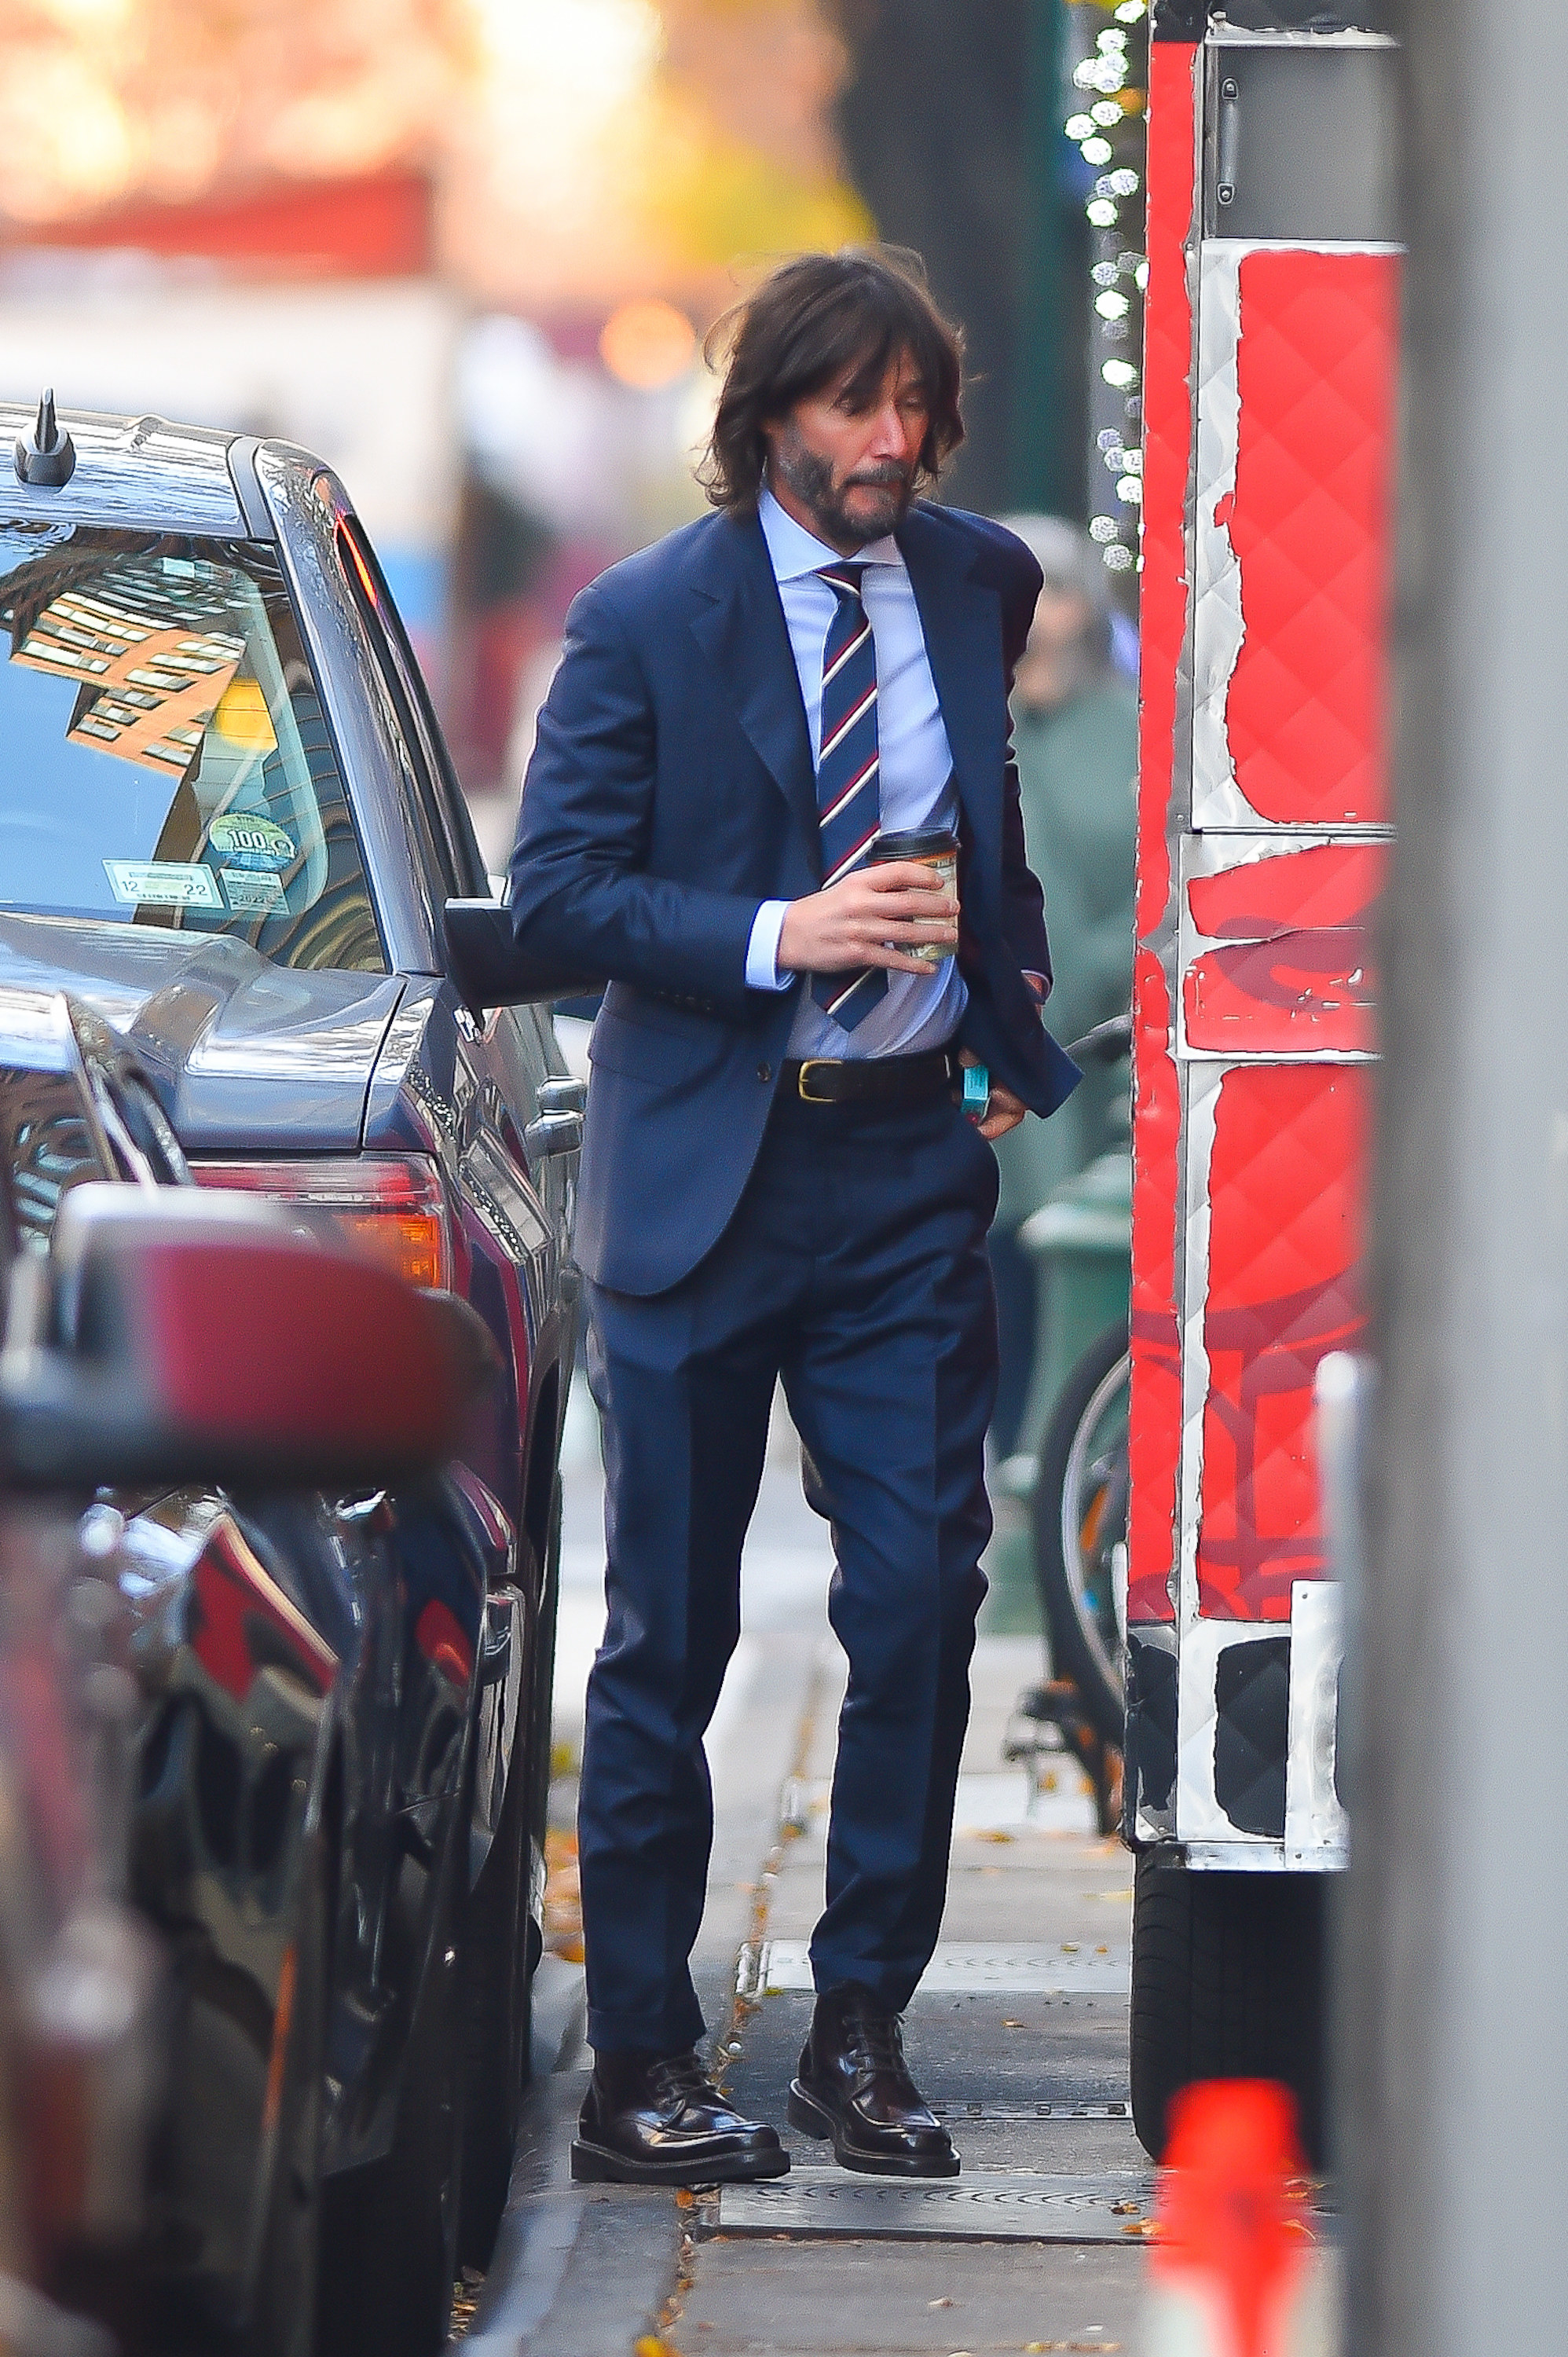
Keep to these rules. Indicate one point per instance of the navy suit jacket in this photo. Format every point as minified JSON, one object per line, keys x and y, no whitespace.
{"x":671,"y":791}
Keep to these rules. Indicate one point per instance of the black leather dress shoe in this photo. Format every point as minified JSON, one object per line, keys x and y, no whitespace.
{"x":854,"y":2087}
{"x":658,"y":2120}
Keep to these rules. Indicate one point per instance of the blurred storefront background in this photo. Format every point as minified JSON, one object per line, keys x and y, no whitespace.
{"x":470,"y":250}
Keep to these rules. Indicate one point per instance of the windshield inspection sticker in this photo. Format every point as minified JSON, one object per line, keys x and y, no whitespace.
{"x":243,"y":839}
{"x":162,"y":884}
{"x":252,"y":893}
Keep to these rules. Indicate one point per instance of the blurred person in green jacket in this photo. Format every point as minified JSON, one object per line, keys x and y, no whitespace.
{"x":1075,"y":726}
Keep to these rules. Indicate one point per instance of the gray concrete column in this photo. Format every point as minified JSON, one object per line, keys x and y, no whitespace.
{"x":1454,"y":1995}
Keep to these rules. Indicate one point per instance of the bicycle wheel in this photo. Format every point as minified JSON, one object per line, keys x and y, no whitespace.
{"x":1081,"y":1529}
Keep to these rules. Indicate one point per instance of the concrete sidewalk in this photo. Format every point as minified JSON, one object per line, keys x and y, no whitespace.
{"x":1018,"y":2035}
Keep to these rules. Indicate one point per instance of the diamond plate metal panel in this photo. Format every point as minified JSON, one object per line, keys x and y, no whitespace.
{"x":1162,"y":792}
{"x":1155,"y":1414}
{"x":1296,"y":351}
{"x":1269,"y":403}
{"x":1280,"y":1287}
{"x":1277,"y":953}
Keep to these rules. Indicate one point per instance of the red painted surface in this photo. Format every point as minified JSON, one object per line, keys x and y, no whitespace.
{"x":1310,"y":525}
{"x":1167,"y":442}
{"x":1293,"y":966}
{"x":445,"y":1643}
{"x":1284,"y":1190}
{"x":1155,"y":1425}
{"x":1154,"y":1420}
{"x":369,"y":225}
{"x":241,"y":1622}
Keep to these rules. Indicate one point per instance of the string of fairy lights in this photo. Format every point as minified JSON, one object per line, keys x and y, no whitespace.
{"x":1110,"y":96}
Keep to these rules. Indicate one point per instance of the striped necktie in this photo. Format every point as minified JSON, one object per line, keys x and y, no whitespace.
{"x":849,"y":799}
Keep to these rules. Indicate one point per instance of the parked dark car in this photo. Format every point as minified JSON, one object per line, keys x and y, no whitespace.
{"x":172,"y":1716}
{"x":231,"y":830}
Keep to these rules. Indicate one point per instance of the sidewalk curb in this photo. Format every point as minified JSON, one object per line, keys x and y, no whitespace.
{"x":586,"y":2270}
{"x":582,"y":2270}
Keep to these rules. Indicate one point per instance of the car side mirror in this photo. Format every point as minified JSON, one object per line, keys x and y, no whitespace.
{"x":178,"y":1336}
{"x":484,"y":961}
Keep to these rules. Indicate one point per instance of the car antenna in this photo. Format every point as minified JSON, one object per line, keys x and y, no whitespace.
{"x":49,"y":456}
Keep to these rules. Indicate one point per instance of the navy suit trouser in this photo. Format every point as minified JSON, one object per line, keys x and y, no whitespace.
{"x":855,"y":1269}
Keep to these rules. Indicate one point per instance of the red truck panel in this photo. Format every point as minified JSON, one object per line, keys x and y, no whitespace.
{"x":1269,"y":390}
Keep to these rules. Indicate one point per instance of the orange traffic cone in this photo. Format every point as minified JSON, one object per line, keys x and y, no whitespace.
{"x":1232,"y":2268}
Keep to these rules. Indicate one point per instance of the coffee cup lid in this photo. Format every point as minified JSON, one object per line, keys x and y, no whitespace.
{"x":915,"y":843}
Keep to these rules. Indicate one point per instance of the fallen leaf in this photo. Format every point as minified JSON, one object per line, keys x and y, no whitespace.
{"x":684,"y":2198}
{"x":939,"y":2303}
{"x":1012,"y":2024}
{"x":1126,"y":2209}
{"x":651,"y":2346}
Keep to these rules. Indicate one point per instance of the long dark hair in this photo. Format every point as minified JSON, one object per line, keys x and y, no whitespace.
{"x":812,"y":319}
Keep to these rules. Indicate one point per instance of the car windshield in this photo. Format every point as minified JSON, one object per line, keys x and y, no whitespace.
{"x":164,"y":757}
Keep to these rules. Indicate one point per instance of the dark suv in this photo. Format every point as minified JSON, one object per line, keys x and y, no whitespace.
{"x":231,"y":829}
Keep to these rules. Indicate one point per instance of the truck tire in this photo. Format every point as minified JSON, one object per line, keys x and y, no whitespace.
{"x":1226,"y":1984}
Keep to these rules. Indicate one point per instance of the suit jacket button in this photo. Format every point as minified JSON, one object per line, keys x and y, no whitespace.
{"x":765,"y":1072}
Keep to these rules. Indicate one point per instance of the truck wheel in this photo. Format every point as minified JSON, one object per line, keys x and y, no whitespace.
{"x":1226,"y":1984}
{"x":1081,"y":1529}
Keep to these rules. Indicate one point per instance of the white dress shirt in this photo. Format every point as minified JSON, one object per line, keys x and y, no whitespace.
{"x":915,"y":779}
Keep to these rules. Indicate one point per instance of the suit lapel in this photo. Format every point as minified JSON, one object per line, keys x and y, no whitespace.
{"x":962,"y":620}
{"x":739,"y":625}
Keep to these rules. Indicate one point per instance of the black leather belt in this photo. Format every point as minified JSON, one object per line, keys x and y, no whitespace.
{"x":870,"y":1080}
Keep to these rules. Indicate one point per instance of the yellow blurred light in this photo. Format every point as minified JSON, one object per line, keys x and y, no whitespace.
{"x":648,"y":344}
{"x":411,"y":1243}
{"x":91,"y":17}
{"x":242,"y":717}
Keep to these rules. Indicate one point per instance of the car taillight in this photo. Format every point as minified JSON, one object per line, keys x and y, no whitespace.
{"x":393,"y":1208}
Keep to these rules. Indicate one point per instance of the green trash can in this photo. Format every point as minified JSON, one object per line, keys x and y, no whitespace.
{"x":1081,"y":1237}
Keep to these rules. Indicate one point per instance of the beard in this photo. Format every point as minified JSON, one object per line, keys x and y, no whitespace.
{"x":885,"y":493}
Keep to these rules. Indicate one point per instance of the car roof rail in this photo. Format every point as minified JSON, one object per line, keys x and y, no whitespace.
{"x":259,"y":519}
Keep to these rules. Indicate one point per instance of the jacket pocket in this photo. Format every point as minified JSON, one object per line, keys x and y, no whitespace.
{"x":647,"y":1051}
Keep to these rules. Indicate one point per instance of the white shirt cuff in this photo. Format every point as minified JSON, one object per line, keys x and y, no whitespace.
{"x":762,"y":949}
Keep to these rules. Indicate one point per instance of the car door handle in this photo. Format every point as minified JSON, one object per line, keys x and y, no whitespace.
{"x":566,"y":1095}
{"x":552,"y":1133}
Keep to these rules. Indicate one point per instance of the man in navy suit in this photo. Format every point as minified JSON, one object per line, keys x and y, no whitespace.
{"x":777,"y":1178}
